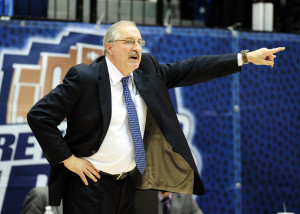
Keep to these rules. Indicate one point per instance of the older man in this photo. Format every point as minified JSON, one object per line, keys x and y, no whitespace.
{"x":121,"y":124}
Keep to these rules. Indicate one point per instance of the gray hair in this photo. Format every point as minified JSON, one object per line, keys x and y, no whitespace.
{"x":112,"y":33}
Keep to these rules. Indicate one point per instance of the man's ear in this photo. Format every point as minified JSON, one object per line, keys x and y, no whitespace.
{"x":108,"y":48}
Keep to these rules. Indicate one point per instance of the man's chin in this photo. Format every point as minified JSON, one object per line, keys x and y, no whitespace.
{"x":134,"y":65}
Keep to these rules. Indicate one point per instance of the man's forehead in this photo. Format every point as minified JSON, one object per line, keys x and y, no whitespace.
{"x":129,"y":30}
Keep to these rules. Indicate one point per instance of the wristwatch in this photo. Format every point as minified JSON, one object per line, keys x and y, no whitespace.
{"x":244,"y":56}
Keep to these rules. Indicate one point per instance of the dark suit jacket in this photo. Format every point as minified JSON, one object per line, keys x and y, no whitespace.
{"x":84,"y":98}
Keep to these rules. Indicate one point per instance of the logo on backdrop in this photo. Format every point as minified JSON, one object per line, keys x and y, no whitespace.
{"x":30,"y":82}
{"x":30,"y":74}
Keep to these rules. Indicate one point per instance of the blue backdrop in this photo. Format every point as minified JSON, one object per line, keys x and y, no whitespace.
{"x":244,"y":129}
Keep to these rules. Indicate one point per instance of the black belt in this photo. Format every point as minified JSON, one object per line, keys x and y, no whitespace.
{"x":116,"y":176}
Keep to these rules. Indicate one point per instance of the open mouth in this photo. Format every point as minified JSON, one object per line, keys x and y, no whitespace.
{"x":134,"y":55}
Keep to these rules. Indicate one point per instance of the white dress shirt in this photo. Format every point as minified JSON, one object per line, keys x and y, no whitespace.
{"x":116,"y":153}
{"x":239,"y":59}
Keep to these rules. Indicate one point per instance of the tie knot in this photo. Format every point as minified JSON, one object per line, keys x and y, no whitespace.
{"x":166,"y":200}
{"x":125,"y":81}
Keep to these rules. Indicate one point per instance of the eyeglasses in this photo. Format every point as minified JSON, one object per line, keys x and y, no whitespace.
{"x":131,"y":42}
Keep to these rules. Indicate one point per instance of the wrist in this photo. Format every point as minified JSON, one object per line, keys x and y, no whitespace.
{"x":245,"y":56}
{"x":69,"y":158}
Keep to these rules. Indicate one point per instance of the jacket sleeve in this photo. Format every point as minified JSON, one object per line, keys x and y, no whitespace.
{"x":197,"y":69}
{"x":50,"y":111}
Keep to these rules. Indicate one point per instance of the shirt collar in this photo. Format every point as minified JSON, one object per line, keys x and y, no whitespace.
{"x":161,"y":197}
{"x":114,"y":74}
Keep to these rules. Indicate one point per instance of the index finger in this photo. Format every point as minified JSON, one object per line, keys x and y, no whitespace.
{"x":91,"y":165}
{"x":83,"y":178}
{"x":93,"y":169}
{"x":275,"y":50}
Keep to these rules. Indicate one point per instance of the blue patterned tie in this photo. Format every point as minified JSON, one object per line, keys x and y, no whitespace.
{"x":166,"y":205}
{"x":135,"y":128}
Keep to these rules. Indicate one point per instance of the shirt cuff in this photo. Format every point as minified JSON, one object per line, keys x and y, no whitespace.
{"x":239,"y":59}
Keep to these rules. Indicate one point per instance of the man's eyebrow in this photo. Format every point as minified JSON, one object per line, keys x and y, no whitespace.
{"x":133,"y":38}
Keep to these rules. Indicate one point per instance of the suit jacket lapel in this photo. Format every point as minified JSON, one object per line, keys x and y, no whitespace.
{"x":142,"y":84}
{"x":138,"y":75}
{"x":104,"y":96}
